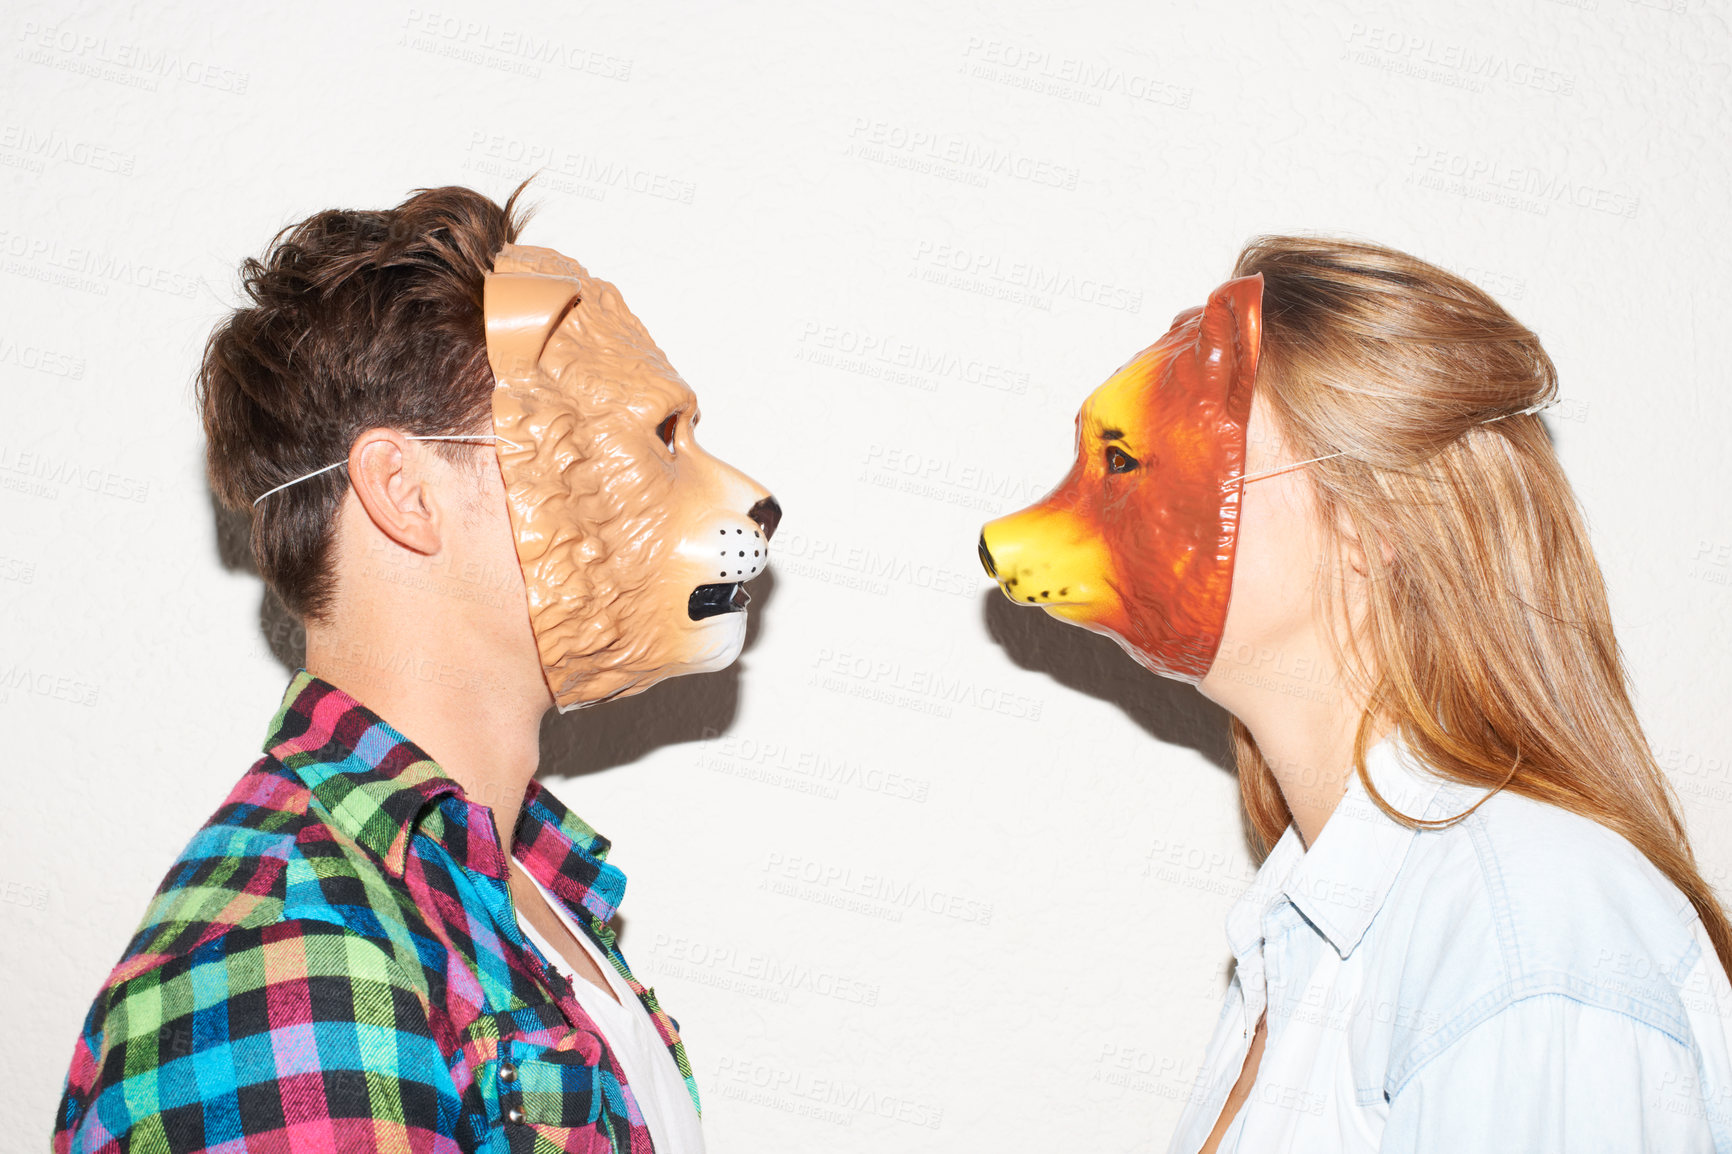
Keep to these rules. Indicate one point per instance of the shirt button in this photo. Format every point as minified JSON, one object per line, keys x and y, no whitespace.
{"x":514,"y":1115}
{"x":507,"y":1072}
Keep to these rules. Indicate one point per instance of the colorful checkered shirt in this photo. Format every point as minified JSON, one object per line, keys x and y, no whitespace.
{"x":334,"y":964}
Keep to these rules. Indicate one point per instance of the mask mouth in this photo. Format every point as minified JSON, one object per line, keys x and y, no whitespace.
{"x":714,"y":600}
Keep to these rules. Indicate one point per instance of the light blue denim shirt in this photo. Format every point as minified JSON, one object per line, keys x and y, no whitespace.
{"x":1524,"y":980}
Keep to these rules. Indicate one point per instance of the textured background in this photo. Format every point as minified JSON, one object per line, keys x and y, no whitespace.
{"x":923,"y":870}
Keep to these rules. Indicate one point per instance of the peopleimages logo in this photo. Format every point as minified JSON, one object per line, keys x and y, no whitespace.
{"x":584,"y":167}
{"x":1066,"y":77}
{"x":879,"y":140}
{"x":54,"y":144}
{"x":833,"y":1100}
{"x":42,"y":360}
{"x":70,"y":688}
{"x":777,"y":763}
{"x":852,"y":565}
{"x":870,"y":353}
{"x":944,"y":479}
{"x":1460,"y":65}
{"x":977,"y":269}
{"x":877,"y":894}
{"x":46,"y":472}
{"x":748,"y":971}
{"x":476,"y":39}
{"x":123,"y":61}
{"x":1526,"y":187}
{"x":922,"y":690}
{"x":87,"y":269}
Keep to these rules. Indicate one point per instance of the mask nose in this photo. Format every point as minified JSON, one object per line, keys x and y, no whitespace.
{"x":768,"y":514}
{"x":986,"y":558}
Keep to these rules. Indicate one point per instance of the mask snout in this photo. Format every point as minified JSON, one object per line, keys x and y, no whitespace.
{"x":1049,"y":559}
{"x":734,"y":548}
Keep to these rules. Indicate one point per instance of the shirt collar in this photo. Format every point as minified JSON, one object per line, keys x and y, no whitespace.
{"x":376,"y":784}
{"x":373,"y":781}
{"x":563,"y":853}
{"x":1340,"y":884}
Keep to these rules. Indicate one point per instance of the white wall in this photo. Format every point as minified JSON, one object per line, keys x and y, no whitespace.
{"x":1014,"y":938}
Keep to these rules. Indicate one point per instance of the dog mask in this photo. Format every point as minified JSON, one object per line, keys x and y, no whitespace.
{"x":1137,"y":541}
{"x":635,"y":543}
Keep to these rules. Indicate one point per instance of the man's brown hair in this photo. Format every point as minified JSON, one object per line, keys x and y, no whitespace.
{"x":357,"y":320}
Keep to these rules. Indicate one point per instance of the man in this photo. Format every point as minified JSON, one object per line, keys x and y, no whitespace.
{"x":473,"y":478}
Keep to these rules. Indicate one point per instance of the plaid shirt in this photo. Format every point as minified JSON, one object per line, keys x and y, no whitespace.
{"x":334,"y":964}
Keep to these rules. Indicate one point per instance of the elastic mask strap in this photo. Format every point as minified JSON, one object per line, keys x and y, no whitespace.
{"x":345,"y":461}
{"x":1343,"y":452}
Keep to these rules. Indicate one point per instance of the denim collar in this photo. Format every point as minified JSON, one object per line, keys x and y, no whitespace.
{"x":1340,"y":883}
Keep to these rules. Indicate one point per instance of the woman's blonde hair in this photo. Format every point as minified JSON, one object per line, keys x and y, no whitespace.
{"x":1493,"y":647}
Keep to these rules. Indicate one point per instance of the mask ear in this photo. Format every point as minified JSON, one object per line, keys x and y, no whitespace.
{"x":1230,"y":339}
{"x":522,"y":310}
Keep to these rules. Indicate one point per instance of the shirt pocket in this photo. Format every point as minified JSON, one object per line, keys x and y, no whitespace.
{"x":545,"y":1081}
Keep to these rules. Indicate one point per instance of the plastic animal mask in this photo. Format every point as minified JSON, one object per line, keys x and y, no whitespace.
{"x":1137,"y":541}
{"x":635,"y":543}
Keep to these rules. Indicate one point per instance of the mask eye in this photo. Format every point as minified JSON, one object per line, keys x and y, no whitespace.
{"x":1119,"y":461}
{"x":665,"y":430}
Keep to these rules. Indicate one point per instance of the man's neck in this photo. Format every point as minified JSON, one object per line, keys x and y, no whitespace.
{"x":482,"y":729}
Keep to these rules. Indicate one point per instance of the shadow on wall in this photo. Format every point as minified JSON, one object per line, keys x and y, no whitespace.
{"x":602,"y":736}
{"x":281,"y":633}
{"x":1167,"y":710}
{"x":688,"y":708}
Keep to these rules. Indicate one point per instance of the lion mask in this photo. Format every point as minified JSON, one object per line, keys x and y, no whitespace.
{"x":635,"y":543}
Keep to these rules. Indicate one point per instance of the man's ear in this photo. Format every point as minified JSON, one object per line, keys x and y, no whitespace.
{"x":1356,"y":549}
{"x":396,"y":490}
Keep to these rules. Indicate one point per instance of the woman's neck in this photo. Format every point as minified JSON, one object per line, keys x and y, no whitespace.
{"x":1311,"y":759}
{"x":1303,"y":713}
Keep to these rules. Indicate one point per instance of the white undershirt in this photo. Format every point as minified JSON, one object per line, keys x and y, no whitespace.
{"x":643,"y":1057}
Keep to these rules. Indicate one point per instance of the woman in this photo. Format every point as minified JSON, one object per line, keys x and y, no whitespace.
{"x":1481,"y":926}
{"x":1323,"y":499}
